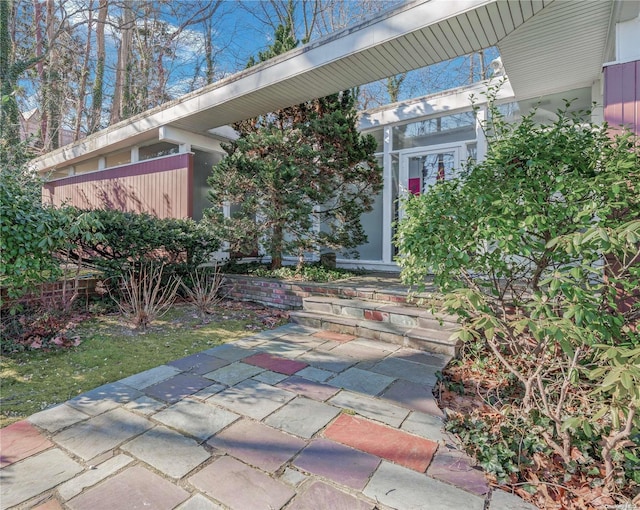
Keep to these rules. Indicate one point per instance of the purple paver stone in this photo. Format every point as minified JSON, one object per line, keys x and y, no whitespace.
{"x":337,"y":462}
{"x":311,"y":389}
{"x":241,"y":487}
{"x":257,"y":444}
{"x":455,"y":467}
{"x":323,"y":495}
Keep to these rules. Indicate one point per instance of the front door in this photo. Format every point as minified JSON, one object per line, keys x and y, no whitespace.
{"x":420,"y":171}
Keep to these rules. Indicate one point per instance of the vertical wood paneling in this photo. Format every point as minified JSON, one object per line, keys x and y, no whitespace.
{"x":158,"y":187}
{"x":622,"y":95}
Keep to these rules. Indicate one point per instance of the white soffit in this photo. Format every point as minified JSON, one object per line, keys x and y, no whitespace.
{"x":415,"y":35}
{"x":562,"y":48}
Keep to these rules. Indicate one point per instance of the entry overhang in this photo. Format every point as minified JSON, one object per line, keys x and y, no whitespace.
{"x":415,"y":35}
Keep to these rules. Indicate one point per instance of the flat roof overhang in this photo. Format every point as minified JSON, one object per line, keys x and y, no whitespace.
{"x":415,"y":35}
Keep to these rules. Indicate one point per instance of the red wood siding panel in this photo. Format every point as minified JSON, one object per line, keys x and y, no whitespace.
{"x":160,"y":187}
{"x":622,"y":95}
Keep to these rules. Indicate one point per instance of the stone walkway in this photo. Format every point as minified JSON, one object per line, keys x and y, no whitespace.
{"x":291,"y":418}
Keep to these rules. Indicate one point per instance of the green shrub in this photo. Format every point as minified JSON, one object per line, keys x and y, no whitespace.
{"x":536,"y":248}
{"x":131,"y":239}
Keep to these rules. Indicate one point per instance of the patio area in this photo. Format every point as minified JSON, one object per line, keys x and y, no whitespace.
{"x":293,"y":418}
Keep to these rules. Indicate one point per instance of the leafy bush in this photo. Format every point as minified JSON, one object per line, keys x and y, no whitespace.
{"x":537,"y":249}
{"x":131,"y":239}
{"x":33,"y":235}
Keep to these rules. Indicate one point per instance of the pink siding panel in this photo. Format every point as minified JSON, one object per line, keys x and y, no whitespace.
{"x":160,"y":187}
{"x":622,"y":95}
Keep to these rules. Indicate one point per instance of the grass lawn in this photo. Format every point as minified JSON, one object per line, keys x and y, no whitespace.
{"x":110,"y":350}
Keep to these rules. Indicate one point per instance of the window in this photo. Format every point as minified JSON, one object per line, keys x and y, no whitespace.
{"x":439,"y":130}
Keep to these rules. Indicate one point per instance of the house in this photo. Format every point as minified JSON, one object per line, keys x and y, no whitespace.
{"x":551,"y":50}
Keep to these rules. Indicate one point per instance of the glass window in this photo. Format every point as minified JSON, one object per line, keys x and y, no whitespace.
{"x":86,"y":166}
{"x":445,"y":129}
{"x":118,"y":158}
{"x":378,"y":134}
{"x":372,"y":225}
{"x":157,"y":150}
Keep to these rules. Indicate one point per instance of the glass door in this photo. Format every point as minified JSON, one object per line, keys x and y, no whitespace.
{"x":423,"y":170}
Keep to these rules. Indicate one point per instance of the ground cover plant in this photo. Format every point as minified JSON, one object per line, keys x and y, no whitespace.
{"x":536,"y":248}
{"x":309,"y":272}
{"x":103,"y":349}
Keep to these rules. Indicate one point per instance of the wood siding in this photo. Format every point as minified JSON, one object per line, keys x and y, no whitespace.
{"x":622,"y":95}
{"x":162,"y":187}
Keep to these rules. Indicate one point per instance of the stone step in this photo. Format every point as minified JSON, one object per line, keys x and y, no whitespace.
{"x":432,"y":340}
{"x":409,"y":316}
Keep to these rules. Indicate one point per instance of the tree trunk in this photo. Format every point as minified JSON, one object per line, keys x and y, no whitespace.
{"x":96,"y":100}
{"x":82,"y":92}
{"x":121,"y":90}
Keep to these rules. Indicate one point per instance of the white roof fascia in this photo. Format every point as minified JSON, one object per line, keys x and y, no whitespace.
{"x":197,"y":141}
{"x":409,"y":18}
{"x":445,"y":102}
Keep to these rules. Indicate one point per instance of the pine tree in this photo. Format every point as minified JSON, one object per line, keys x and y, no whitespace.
{"x":300,"y":177}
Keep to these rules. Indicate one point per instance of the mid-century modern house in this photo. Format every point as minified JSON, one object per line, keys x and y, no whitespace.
{"x":587,"y":51}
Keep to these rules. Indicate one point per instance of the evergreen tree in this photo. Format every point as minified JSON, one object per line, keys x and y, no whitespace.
{"x":300,"y":177}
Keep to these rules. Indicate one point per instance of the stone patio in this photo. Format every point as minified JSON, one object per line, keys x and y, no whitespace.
{"x":292,"y":418}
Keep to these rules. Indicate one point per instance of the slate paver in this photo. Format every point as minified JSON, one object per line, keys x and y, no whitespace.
{"x":315,"y":374}
{"x":373,"y":408}
{"x":311,"y":389}
{"x":425,"y":358}
{"x":425,"y":425}
{"x":192,"y":362}
{"x":400,"y":487}
{"x":241,"y":487}
{"x":101,"y":433}
{"x":320,"y":493}
{"x":269,"y":377}
{"x":91,"y":477}
{"x":57,"y":418}
{"x":361,"y":352}
{"x":209,"y":364}
{"x":335,"y":337}
{"x":145,"y":405}
{"x":401,"y":369}
{"x":198,"y":419}
{"x":257,"y":444}
{"x":501,"y":500}
{"x":177,"y":387}
{"x":229,"y":352}
{"x":234,"y":373}
{"x":376,"y":345}
{"x":275,"y":363}
{"x":455,"y":467}
{"x":104,"y":398}
{"x":285,"y":349}
{"x":199,"y":502}
{"x":150,"y":377}
{"x":50,"y":504}
{"x":135,"y":487}
{"x":209,"y":391}
{"x":167,"y":451}
{"x":327,"y":361}
{"x":293,"y":477}
{"x":337,"y":462}
{"x":392,"y":444}
{"x":253,"y":398}
{"x":411,"y":395}
{"x":302,"y":417}
{"x":362,"y":381}
{"x":24,"y":480}
{"x":19,"y":441}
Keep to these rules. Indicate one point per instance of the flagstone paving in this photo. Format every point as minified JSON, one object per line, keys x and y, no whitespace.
{"x":293,"y":419}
